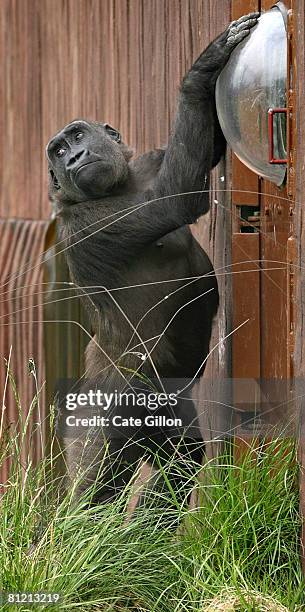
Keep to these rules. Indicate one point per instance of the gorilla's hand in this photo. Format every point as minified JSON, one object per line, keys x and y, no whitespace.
{"x":239,"y":29}
{"x":214,"y":58}
{"x":210,"y":63}
{"x":221,"y":48}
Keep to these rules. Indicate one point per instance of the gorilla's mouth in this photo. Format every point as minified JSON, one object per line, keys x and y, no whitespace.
{"x":90,"y":177}
{"x":95,"y":161}
{"x":87,"y":173}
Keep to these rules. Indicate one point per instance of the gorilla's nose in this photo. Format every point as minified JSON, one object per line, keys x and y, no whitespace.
{"x":77,"y":157}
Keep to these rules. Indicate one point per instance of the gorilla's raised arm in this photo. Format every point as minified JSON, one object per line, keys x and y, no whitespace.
{"x":197,"y":142}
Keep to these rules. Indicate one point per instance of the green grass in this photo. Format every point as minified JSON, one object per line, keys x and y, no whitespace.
{"x":242,"y":538}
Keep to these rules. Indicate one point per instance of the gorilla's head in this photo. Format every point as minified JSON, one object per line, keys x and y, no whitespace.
{"x":87,"y":160}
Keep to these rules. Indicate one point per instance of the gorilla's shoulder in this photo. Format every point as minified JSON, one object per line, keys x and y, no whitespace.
{"x":147,"y":166}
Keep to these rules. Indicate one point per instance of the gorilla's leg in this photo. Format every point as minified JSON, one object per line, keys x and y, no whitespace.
{"x":103,"y":466}
{"x":104,"y":459}
{"x":177,"y":462}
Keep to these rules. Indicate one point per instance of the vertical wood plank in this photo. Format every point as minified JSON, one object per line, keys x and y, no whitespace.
{"x":276,"y":228}
{"x":246,"y":351}
{"x":299,"y":66}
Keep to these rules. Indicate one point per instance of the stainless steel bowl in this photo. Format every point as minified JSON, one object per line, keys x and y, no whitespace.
{"x":250,"y":93}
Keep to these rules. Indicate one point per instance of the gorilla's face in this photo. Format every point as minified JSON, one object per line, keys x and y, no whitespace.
{"x":86,"y":161}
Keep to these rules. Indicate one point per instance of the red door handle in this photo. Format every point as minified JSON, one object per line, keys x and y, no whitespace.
{"x":271,"y":113}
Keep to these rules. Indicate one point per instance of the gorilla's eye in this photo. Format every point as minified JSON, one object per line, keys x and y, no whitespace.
{"x":113,"y":133}
{"x":78,"y":135}
{"x":60,"y":152}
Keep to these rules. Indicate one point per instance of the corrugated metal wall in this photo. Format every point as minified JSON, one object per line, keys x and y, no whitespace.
{"x":21,"y":331}
{"x":114,"y":60}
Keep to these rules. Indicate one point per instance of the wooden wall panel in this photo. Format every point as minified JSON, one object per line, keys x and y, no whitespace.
{"x":275,"y":231}
{"x":246,"y":351}
{"x":114,"y":60}
{"x":246,"y":284}
{"x":271,"y":344}
{"x":299,"y":66}
{"x":21,"y":140}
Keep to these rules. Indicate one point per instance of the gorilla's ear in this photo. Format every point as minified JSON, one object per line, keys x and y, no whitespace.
{"x":113,"y":133}
{"x":53,"y":180}
{"x":127,"y":152}
{"x":116,"y":136}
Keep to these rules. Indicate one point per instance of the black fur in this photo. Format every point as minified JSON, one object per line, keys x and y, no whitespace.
{"x":122,"y":229}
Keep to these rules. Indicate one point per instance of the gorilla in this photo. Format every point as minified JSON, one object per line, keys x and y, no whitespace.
{"x":148,"y":286}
